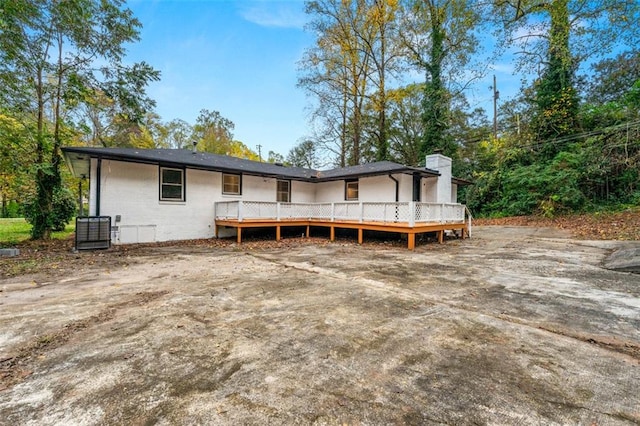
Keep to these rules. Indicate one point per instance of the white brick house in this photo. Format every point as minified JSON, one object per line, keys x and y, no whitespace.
{"x":167,"y":194}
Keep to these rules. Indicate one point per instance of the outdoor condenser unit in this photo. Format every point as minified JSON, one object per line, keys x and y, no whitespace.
{"x":93,"y":232}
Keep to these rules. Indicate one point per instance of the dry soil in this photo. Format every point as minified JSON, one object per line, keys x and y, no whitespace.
{"x":514,"y":326}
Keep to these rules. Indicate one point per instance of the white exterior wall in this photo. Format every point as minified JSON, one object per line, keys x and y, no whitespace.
{"x":454,"y":193}
{"x":330,"y":192}
{"x":376,"y":189}
{"x":131,"y":191}
{"x":254,"y":188}
{"x":429,"y":189}
{"x":406,"y":188}
{"x":303,"y":192}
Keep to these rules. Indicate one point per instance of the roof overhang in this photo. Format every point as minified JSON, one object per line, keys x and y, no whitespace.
{"x":79,"y":161}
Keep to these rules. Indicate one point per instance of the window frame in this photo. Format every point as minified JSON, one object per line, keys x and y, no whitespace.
{"x":347,"y":183}
{"x":279,"y":192}
{"x":182,"y":184}
{"x":239,"y":176}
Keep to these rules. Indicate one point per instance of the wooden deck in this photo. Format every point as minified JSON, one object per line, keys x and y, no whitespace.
{"x":397,"y":227}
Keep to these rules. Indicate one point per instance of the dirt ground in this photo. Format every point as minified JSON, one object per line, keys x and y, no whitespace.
{"x":517,"y":325}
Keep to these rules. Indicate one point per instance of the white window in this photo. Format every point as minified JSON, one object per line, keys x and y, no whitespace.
{"x":171,"y":184}
{"x":231,"y":184}
{"x":283,"y":192}
{"x":351,"y":190}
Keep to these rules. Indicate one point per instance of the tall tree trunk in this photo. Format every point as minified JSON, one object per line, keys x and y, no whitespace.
{"x":40,"y":228}
{"x":556,"y":98}
{"x":436,"y":104}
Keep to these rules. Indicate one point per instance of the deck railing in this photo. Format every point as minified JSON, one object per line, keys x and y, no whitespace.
{"x":404,"y":212}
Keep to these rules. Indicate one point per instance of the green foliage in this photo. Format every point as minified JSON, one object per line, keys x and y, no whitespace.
{"x":48,"y":56}
{"x":16,"y":230}
{"x":63,"y":210}
{"x":10,"y":209}
{"x":304,"y":154}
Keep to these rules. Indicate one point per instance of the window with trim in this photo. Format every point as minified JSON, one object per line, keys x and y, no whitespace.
{"x":231,"y":184}
{"x":171,"y":184}
{"x":351,"y":190}
{"x":283,"y":191}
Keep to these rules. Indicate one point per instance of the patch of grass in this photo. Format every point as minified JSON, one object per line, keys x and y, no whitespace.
{"x":15,"y":231}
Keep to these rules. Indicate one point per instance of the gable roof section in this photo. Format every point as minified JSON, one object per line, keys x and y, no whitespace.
{"x":78,"y":159}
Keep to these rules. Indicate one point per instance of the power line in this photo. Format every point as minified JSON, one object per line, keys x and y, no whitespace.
{"x":583,"y":135}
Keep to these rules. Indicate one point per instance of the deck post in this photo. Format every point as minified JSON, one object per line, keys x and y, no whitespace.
{"x":361,"y":213}
{"x":441,"y":236}
{"x":412,"y":213}
{"x":332,"y":233}
{"x":239,"y":211}
{"x":278,"y":212}
{"x":360,"y":232}
{"x":239,"y":235}
{"x":277,"y":232}
{"x":411,"y":241}
{"x":333,"y":212}
{"x":308,"y":231}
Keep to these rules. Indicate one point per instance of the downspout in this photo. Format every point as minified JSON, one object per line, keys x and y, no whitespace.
{"x":397,"y":187}
{"x":98,"y":179}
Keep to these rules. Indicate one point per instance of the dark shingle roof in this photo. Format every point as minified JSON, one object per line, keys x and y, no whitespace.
{"x":78,"y":160}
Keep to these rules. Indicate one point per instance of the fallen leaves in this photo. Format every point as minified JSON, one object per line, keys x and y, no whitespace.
{"x":623,"y":225}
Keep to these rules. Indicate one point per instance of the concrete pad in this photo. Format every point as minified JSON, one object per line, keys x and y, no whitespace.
{"x":9,"y":252}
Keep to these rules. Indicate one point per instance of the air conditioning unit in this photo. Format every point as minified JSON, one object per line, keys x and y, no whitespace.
{"x":93,"y":232}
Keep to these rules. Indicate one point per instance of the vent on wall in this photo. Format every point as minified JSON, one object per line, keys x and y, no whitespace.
{"x":93,"y":232}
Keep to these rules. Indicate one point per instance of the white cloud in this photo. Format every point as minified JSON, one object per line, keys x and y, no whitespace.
{"x":275,"y":14}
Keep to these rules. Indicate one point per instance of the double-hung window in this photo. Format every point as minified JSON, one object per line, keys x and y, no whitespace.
{"x":283,"y":191}
{"x":351,"y":190}
{"x":171,"y":184}
{"x":231,"y":184}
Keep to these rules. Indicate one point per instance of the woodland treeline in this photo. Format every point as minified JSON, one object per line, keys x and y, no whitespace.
{"x":386,"y":79}
{"x":569,"y":141}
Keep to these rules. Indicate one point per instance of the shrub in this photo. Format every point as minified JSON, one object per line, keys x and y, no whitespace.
{"x":64,"y":208}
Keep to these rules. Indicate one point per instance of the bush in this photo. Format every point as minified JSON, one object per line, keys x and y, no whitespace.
{"x":64,"y":209}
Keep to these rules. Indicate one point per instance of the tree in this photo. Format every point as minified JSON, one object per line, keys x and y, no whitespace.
{"x":179,"y":134}
{"x":381,"y":42}
{"x":441,"y":38}
{"x":52,"y":53}
{"x":612,"y":77}
{"x":15,"y":158}
{"x":213,"y":133}
{"x":337,"y":71}
{"x":274,"y":157}
{"x":304,"y":155}
{"x":557,"y":36}
{"x":406,"y":130}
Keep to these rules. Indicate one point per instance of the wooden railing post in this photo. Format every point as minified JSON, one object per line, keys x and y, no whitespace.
{"x":361,"y":212}
{"x":278,"y":211}
{"x":239,"y":211}
{"x":412,"y":213}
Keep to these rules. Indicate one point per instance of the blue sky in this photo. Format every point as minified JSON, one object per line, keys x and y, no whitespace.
{"x":239,"y":58}
{"x":235,"y":57}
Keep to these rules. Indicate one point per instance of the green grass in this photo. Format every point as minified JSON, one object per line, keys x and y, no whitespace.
{"x":14,"y":231}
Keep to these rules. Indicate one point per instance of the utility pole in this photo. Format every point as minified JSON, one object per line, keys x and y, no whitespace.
{"x":259,"y":152}
{"x":496,"y":95}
